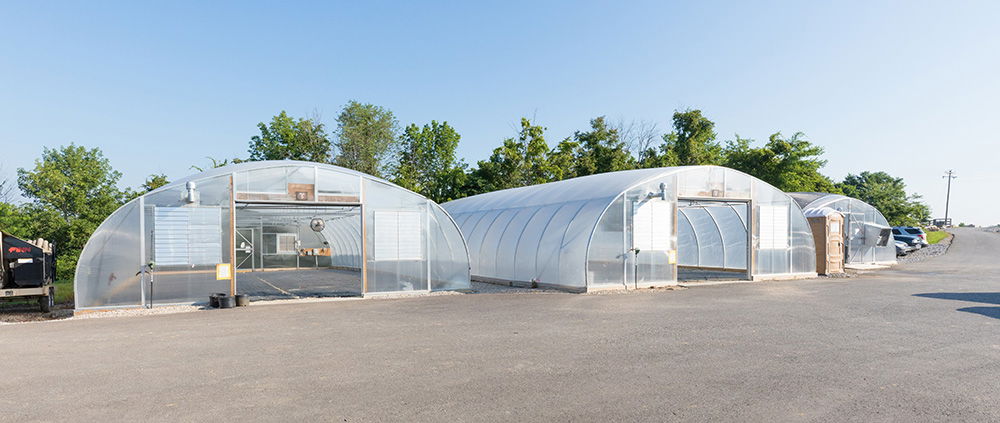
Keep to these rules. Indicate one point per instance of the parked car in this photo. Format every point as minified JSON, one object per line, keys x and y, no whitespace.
{"x":912,"y":241}
{"x":911,"y":231}
{"x":902,"y":248}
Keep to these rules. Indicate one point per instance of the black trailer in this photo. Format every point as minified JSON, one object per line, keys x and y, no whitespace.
{"x":27,"y":271}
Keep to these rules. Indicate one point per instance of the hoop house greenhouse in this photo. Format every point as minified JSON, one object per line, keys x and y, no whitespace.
{"x":270,"y":229}
{"x":867,"y":234}
{"x":636,"y":228}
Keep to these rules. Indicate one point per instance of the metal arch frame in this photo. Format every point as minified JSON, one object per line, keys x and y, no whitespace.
{"x":496,"y":248}
{"x":722,"y":234}
{"x":697,"y":242}
{"x":486,"y":233}
{"x":520,"y":236}
{"x":517,"y":242}
{"x":746,"y":228}
{"x":562,"y":241}
{"x":548,"y":222}
{"x":472,"y":233}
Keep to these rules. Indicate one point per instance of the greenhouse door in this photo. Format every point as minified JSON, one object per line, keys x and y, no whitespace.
{"x":245,"y":257}
{"x":653,"y":258}
{"x":713,"y":240}
{"x":289,"y":251}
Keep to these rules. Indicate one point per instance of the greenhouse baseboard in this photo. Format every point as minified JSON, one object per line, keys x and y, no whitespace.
{"x":523,"y":284}
{"x":631,"y":287}
{"x":869,"y":266}
{"x":134,"y":307}
{"x":396,"y":294}
{"x":785,"y":276}
{"x":576,"y":290}
{"x":692,"y":284}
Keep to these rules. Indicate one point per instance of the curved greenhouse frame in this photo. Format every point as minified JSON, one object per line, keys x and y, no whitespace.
{"x":636,"y":228}
{"x":209,"y":232}
{"x":867,"y":236}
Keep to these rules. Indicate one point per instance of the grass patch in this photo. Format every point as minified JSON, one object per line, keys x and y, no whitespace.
{"x":64,"y":291}
{"x":936,"y":236}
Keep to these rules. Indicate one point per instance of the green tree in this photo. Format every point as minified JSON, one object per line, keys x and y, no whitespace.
{"x":518,"y":162}
{"x":692,"y":142}
{"x":286,"y":138}
{"x":366,"y":138}
{"x":14,"y":221}
{"x":71,"y":190}
{"x":561,"y":160}
{"x":600,"y":150}
{"x":217,"y":163}
{"x":154,"y":181}
{"x":888,"y":195}
{"x":790,"y":164}
{"x":428,"y":163}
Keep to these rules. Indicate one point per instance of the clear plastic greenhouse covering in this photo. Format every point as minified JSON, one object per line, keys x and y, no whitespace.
{"x":867,"y":232}
{"x":395,"y":240}
{"x":634,"y":228}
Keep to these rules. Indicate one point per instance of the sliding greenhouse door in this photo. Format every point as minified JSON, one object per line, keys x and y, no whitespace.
{"x":653,"y":253}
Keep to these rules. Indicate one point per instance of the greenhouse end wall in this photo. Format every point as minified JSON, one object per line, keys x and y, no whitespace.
{"x":620,"y":229}
{"x":185,"y":230}
{"x":863,"y":222}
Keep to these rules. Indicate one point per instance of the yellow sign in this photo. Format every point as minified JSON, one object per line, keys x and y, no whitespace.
{"x":672,"y":256}
{"x":223,"y":271}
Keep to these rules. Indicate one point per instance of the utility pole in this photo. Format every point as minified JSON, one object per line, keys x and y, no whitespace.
{"x":950,"y":175}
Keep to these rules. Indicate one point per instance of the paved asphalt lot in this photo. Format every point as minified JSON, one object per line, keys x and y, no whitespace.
{"x":917,"y":343}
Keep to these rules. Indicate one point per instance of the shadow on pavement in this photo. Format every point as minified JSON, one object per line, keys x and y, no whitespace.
{"x":978,"y":297}
{"x":993,"y":312}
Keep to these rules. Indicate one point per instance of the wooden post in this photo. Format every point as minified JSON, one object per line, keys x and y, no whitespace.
{"x":232,"y":238}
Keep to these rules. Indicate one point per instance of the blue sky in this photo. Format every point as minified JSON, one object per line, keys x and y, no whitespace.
{"x":906,"y":87}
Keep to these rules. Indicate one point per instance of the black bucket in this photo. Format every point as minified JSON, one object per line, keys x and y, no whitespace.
{"x":242,"y":300}
{"x":227,"y":302}
{"x":213,"y":300}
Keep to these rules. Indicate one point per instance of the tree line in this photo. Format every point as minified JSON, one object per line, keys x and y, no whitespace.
{"x":72,"y":189}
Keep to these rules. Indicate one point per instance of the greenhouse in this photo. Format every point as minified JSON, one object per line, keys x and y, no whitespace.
{"x":867,"y":234}
{"x":636,"y":228}
{"x":270,"y":229}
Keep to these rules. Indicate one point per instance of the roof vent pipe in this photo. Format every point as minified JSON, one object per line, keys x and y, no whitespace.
{"x":192,"y":192}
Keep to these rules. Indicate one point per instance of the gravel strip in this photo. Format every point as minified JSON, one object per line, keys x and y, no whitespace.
{"x":11,"y":314}
{"x":925,"y":253}
{"x":124,"y":312}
